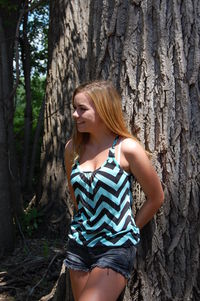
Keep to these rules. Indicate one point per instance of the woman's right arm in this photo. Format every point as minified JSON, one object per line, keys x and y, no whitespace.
{"x":68,"y":167}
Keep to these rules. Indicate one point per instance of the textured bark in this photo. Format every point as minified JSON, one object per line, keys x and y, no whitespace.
{"x":150,"y":49}
{"x":9,"y":193}
{"x":6,"y":227}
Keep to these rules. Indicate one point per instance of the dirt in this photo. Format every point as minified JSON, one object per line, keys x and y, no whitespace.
{"x":31,"y":271}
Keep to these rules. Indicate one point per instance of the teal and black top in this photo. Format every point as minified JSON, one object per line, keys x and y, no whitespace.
{"x":104,"y":198}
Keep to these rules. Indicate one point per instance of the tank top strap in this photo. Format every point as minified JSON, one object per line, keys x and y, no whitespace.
{"x":115,"y":141}
{"x":112,"y":149}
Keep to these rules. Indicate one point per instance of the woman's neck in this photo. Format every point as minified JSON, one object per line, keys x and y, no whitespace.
{"x":101,"y":139}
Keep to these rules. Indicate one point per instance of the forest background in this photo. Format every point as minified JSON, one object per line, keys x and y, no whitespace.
{"x":150,"y":49}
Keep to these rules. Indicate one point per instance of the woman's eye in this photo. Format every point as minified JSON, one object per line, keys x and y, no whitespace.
{"x":83,"y":109}
{"x":79,"y":109}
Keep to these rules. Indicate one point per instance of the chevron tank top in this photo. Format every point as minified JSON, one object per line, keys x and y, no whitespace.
{"x":104,"y":198}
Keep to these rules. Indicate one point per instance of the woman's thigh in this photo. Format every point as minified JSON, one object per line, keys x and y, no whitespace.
{"x":103,"y":284}
{"x":78,"y":282}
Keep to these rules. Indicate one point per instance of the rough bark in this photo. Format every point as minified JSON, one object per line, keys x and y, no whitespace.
{"x":9,"y":192}
{"x":6,"y":241}
{"x":150,"y":49}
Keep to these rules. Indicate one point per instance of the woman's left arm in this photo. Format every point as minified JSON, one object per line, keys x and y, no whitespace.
{"x":141,"y":167}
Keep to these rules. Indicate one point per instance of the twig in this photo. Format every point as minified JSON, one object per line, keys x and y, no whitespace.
{"x":14,"y":280}
{"x":5,"y":288}
{"x":33,"y":288}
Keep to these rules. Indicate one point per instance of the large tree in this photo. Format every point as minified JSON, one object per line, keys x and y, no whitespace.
{"x":150,"y":50}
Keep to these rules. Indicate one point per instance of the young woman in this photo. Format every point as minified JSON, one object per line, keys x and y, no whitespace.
{"x":101,"y":158}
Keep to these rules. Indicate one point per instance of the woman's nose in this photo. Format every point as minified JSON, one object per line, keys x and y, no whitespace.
{"x":75,"y":114}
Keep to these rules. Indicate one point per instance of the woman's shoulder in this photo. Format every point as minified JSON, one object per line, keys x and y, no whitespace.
{"x":130,"y":145}
{"x":132,"y":148}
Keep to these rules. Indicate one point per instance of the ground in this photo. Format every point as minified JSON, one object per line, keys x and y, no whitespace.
{"x":31,"y":271}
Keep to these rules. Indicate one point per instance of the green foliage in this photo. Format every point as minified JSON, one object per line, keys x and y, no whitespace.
{"x":30,"y":221}
{"x":19,"y":107}
{"x":37,"y":91}
{"x":38,"y":37}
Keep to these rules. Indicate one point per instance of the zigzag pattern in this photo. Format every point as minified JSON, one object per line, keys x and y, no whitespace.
{"x":104,"y":200}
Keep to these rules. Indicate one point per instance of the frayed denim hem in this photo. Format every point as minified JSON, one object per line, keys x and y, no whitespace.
{"x":75,"y":268}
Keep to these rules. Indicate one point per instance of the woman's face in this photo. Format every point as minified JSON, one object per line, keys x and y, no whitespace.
{"x":85,"y":114}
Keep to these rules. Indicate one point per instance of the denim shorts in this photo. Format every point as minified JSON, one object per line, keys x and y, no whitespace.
{"x":119,"y":259}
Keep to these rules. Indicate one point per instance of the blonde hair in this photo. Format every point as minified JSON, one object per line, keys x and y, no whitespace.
{"x":108,"y":105}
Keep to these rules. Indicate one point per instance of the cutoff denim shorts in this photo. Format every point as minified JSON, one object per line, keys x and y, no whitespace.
{"x":119,"y":259}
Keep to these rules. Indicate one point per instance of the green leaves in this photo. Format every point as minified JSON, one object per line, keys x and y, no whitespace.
{"x":38,"y":36}
{"x":30,"y":221}
{"x":37,"y":91}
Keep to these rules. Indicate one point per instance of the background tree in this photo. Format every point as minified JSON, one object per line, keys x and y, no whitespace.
{"x":150,"y":49}
{"x":26,"y":62}
{"x":30,"y":95}
{"x":10,"y":199}
{"x":11,"y":203}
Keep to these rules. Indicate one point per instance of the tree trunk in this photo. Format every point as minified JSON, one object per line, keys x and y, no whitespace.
{"x":26,"y":60}
{"x":9,"y":188}
{"x":150,"y":50}
{"x":36,"y":142}
{"x":6,"y":226}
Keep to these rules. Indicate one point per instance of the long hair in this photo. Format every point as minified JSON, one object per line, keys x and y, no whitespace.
{"x":108,"y":105}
